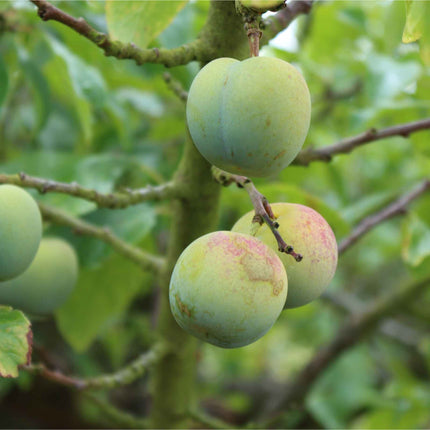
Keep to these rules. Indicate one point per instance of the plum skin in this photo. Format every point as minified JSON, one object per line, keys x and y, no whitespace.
{"x":249,"y":117}
{"x":47,"y":283}
{"x":227,"y":289}
{"x":20,"y":230}
{"x":310,"y":235}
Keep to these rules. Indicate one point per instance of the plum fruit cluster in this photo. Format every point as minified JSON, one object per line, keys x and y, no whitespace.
{"x":20,"y":231}
{"x":310,"y":235}
{"x":47,"y":283}
{"x":228,"y":289}
{"x":249,"y":117}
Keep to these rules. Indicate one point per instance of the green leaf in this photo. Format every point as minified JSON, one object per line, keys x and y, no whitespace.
{"x":416,"y":240}
{"x":16,"y":339}
{"x":4,"y":81}
{"x":417,"y":26}
{"x":39,"y":87}
{"x":87,"y":81}
{"x":101,"y":295}
{"x":340,"y":391}
{"x":414,"y":25}
{"x":57,"y":74}
{"x":140,"y":22}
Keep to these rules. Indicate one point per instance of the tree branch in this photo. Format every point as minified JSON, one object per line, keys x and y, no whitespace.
{"x":169,"y":57}
{"x":208,"y":421}
{"x":175,"y":86}
{"x":118,"y":417}
{"x":345,"y":146}
{"x":124,"y":376}
{"x":282,"y":19}
{"x":397,"y":207}
{"x":389,"y":327}
{"x":143,"y":259}
{"x":131,"y":372}
{"x":116,"y":200}
{"x":352,"y":331}
{"x":263,"y":211}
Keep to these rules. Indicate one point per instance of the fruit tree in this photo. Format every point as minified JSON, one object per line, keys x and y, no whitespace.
{"x":214,"y":214}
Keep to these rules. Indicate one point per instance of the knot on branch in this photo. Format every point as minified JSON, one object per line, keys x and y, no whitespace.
{"x":252,"y":32}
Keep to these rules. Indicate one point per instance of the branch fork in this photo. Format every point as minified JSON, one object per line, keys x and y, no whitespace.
{"x":263,"y":210}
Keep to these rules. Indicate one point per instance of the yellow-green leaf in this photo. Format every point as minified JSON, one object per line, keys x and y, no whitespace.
{"x":417,"y":19}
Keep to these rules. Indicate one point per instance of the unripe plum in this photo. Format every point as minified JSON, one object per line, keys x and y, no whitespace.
{"x":249,"y":117}
{"x":47,"y":283}
{"x":310,"y":235}
{"x":263,"y":5}
{"x":227,"y":289}
{"x":20,"y":231}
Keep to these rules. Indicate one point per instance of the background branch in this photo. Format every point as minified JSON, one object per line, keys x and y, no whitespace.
{"x":282,"y":19}
{"x":175,"y":86}
{"x":345,"y":146}
{"x":352,"y":331}
{"x":395,"y":208}
{"x":115,"y":200}
{"x":390,"y":327}
{"x":143,"y":259}
{"x":124,"y":376}
{"x":118,"y":417}
{"x":207,"y":420}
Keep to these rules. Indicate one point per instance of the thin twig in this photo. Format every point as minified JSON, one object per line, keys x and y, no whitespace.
{"x":175,"y":86}
{"x":118,"y":417}
{"x":169,"y":57}
{"x":282,"y":19}
{"x":389,"y":327}
{"x":351,"y":332}
{"x":263,"y":211}
{"x":207,"y":420}
{"x":124,"y":376}
{"x":143,"y":259}
{"x":115,"y":200}
{"x":345,"y":146}
{"x":131,"y":372}
{"x":397,"y":207}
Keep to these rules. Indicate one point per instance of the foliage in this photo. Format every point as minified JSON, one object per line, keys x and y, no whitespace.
{"x":70,"y":114}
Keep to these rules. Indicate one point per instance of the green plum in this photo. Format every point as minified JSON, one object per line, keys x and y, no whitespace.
{"x":262,"y":5}
{"x":227,"y":289}
{"x":47,"y":283}
{"x":310,"y":235}
{"x":249,"y":117}
{"x":20,"y":231}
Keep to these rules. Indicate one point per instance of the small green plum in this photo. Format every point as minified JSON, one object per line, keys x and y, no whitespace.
{"x":47,"y":283}
{"x":20,"y":231}
{"x":310,"y":235}
{"x":227,"y":289}
{"x":249,"y":117}
{"x":263,"y":5}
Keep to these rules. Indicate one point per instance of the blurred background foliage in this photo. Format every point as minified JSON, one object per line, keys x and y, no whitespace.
{"x":69,"y":113}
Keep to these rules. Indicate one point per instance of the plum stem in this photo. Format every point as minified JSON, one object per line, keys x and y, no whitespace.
{"x":252,"y":20}
{"x":254,"y":35}
{"x":263,"y":210}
